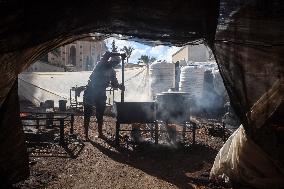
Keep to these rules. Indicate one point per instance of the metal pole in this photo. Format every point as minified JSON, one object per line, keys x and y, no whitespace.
{"x":70,"y":98}
{"x":117,"y":133}
{"x":76,"y":97}
{"x":112,"y":96}
{"x":72,"y":124}
{"x":122,"y":79}
{"x":109,"y":96}
{"x":61,"y":130}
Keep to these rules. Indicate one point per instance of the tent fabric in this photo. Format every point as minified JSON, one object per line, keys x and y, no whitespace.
{"x":248,"y":43}
{"x":41,"y":86}
{"x":14,"y":164}
{"x":249,"y":46}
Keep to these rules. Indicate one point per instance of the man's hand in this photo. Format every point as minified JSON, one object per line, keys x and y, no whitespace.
{"x":78,"y":90}
{"x":123,"y":56}
{"x":121,"y":87}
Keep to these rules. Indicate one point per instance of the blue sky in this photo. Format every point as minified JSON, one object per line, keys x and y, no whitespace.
{"x":160,"y":52}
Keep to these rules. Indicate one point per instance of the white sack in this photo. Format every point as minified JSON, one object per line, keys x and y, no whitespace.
{"x":242,"y":161}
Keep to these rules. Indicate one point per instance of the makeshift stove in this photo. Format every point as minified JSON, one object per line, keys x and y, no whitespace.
{"x":173,"y":110}
{"x":169,"y":108}
{"x":135,"y":112}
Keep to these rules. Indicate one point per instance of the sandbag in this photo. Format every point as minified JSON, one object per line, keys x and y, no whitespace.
{"x":242,"y":161}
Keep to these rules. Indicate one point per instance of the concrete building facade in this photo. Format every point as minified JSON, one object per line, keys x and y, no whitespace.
{"x":195,"y":53}
{"x":81,"y":55}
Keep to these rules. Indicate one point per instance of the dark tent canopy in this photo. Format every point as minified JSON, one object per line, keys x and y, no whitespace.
{"x":246,"y":37}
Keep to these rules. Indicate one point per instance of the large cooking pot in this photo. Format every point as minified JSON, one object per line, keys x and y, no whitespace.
{"x":135,"y":112}
{"x":173,"y":107}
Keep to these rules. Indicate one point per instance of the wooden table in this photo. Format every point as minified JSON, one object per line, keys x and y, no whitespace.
{"x":50,"y":119}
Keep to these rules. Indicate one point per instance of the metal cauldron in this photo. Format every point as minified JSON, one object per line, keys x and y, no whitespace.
{"x":135,"y":112}
{"x":173,"y":107}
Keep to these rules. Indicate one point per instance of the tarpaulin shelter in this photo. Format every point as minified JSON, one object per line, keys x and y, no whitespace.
{"x":248,"y":44}
{"x":246,"y":37}
{"x":38,"y":87}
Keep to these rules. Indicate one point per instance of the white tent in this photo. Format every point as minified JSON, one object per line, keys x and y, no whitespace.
{"x":41,"y":86}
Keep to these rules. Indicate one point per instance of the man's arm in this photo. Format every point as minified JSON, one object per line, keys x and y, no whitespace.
{"x":108,"y":54}
{"x":105,"y":57}
{"x":78,"y":90}
{"x":114,"y":82}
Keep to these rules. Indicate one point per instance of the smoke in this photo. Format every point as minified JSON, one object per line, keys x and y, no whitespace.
{"x":136,"y":85}
{"x":137,"y":89}
{"x":207,"y":94}
{"x":210,"y":100}
{"x":204,"y":95}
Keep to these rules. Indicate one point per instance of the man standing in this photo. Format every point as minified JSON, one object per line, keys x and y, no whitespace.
{"x":102,"y":76}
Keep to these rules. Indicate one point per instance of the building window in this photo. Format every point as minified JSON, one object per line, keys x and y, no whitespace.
{"x":80,"y":59}
{"x":80,"y":46}
{"x":63,"y":58}
{"x":80,"y":52}
{"x":72,"y":56}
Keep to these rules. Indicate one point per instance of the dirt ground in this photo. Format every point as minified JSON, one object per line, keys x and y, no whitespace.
{"x":99,"y":164}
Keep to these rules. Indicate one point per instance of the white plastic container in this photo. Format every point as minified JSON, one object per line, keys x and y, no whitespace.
{"x":191,"y":80}
{"x":162,"y":77}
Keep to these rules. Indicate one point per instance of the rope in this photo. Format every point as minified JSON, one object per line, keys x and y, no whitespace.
{"x":25,"y":89}
{"x":135,"y":75}
{"x":143,"y":82}
{"x":44,"y":89}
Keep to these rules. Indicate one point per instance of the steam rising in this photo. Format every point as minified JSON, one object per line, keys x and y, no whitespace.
{"x":141,"y":84}
{"x":136,"y":85}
